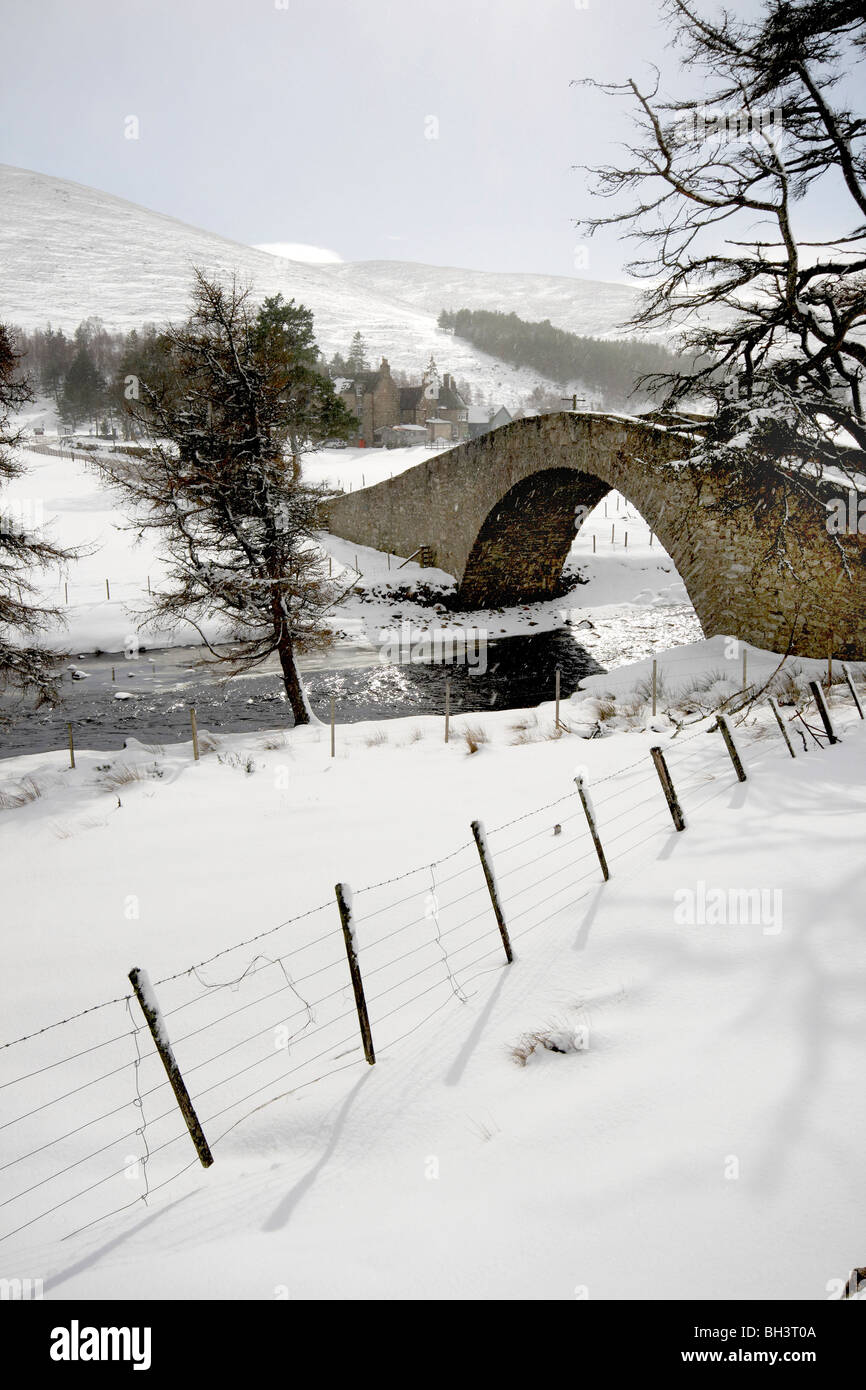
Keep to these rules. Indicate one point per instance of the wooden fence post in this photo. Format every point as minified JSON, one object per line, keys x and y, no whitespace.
{"x":447,"y":709}
{"x":66,"y":592}
{"x":107,"y":590}
{"x":847,"y":674}
{"x":722,"y":723}
{"x":557,"y":697}
{"x":745,"y":669}
{"x":781,"y":723}
{"x":194,"y":725}
{"x":333,"y":729}
{"x":487,"y":866}
{"x":344,"y":902}
{"x":674,"y":807}
{"x":593,"y":829}
{"x":655,"y":683}
{"x":71,"y":746}
{"x":818,"y":697}
{"x":155,"y":1022}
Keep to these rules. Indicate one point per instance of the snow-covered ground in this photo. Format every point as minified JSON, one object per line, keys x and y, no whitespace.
{"x":699,"y":1136}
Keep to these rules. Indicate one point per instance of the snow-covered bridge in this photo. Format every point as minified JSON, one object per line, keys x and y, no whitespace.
{"x":501,"y":512}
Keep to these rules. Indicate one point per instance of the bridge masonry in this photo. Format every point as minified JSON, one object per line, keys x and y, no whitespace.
{"x":501,"y":512}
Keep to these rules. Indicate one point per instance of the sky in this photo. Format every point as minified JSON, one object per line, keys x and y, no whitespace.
{"x":444,"y":132}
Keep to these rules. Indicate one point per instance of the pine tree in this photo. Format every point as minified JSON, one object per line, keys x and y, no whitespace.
{"x":238,"y":393}
{"x":83,"y":389}
{"x":24,"y":666}
{"x":357,"y":362}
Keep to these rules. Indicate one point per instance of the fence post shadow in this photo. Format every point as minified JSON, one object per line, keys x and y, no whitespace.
{"x":458,"y":1066}
{"x":588,"y":918}
{"x":281,"y":1214}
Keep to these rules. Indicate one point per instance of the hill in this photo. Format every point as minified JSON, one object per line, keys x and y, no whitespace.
{"x":69,"y":251}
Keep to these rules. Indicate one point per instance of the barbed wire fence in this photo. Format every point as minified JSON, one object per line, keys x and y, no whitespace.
{"x":94,"y":1128}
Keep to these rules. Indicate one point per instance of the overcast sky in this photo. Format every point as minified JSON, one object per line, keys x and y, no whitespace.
{"x":310,"y":120}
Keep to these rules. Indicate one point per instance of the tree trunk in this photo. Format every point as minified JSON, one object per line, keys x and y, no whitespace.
{"x":291,"y":679}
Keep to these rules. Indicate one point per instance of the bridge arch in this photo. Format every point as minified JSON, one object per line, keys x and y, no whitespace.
{"x":500,"y":514}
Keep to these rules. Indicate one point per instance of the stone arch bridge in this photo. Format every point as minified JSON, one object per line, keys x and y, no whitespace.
{"x":500,"y":513}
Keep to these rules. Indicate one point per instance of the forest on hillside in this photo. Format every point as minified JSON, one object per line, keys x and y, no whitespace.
{"x":611,"y":369}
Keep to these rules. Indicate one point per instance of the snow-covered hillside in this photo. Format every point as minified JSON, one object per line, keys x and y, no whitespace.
{"x":67,"y":251}
{"x":592,"y":308}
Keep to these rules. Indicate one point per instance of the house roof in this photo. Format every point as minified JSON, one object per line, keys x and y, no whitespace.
{"x":410,"y":396}
{"x":450,"y":398}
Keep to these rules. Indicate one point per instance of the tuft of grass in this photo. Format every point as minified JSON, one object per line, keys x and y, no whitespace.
{"x":275,"y":744}
{"x":123,"y":775}
{"x":473,"y":736}
{"x":555,"y":1038}
{"x":19,"y":794}
{"x":525,"y":730}
{"x":247,"y":764}
{"x":377,"y":739}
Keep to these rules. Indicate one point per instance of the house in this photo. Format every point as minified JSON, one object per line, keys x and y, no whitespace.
{"x":374,"y":398}
{"x":481,"y":419}
{"x":381,"y":405}
{"x":401,"y":436}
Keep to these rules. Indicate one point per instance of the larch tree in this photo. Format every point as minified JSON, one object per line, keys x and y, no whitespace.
{"x":721,"y":190}
{"x":231,"y":398}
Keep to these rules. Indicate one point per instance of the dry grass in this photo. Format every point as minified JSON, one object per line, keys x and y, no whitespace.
{"x":561,"y":1038}
{"x":526,"y":730}
{"x":278,"y":744}
{"x":377,"y":739}
{"x":606,"y":709}
{"x":243,"y":764}
{"x":473,"y":736}
{"x":19,"y":794}
{"x":122,"y":775}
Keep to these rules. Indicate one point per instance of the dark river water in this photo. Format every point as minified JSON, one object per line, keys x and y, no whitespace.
{"x":162,"y":684}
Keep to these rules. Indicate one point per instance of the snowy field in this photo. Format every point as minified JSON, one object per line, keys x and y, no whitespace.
{"x":707,"y":1065}
{"x":636,"y":1107}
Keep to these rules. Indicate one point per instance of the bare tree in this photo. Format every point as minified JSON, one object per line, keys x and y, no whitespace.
{"x":231,"y":394}
{"x":716,"y":190}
